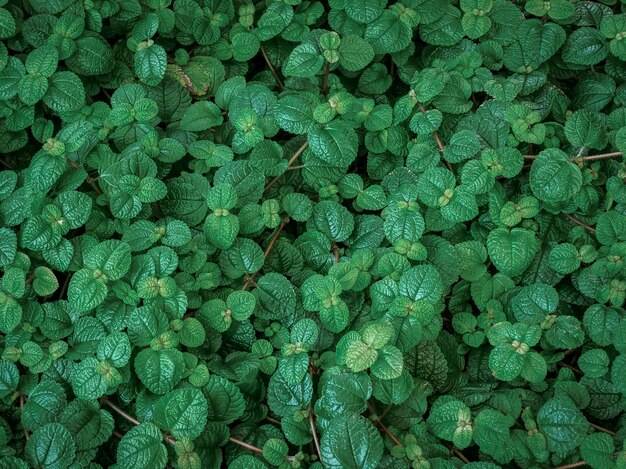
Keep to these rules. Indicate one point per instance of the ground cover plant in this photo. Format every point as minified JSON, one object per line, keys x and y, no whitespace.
{"x":346,"y":234}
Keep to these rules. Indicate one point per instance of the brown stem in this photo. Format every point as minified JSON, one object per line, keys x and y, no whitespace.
{"x":602,"y":429}
{"x":389,"y":434}
{"x":273,"y":420}
{"x":293,"y":158}
{"x":385,"y":412}
{"x":266,"y":253}
{"x":119,"y":411}
{"x":94,"y":186}
{"x":580,"y":223}
{"x":458,"y":454}
{"x":580,"y":463}
{"x":601,"y":156}
{"x":117,"y":434}
{"x":573,"y":368}
{"x":571,"y":466}
{"x":382,"y":426}
{"x":133,"y":420}
{"x":437,"y":139}
{"x":335,"y":252}
{"x":245,"y":445}
{"x":325,"y":84}
{"x":272,"y":69}
{"x":5,"y":164}
{"x":314,"y":433}
{"x":26,"y":435}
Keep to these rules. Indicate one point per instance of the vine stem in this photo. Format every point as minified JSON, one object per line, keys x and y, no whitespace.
{"x":602,"y":429}
{"x":573,"y":465}
{"x":579,"y":223}
{"x":437,"y":138}
{"x":293,"y":158}
{"x":272,"y":69}
{"x":5,"y":164}
{"x":601,"y":156}
{"x":314,"y":433}
{"x":458,"y":454}
{"x":325,"y":84}
{"x":26,"y":435}
{"x":382,"y":426}
{"x":335,"y":251}
{"x":580,"y":463}
{"x":119,"y":411}
{"x":171,"y":441}
{"x":245,"y":445}
{"x":266,"y":253}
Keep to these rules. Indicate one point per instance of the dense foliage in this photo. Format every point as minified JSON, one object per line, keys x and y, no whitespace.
{"x":360,"y":234}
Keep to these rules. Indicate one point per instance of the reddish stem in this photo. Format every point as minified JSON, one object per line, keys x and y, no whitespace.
{"x":22,"y":410}
{"x":266,"y":253}
{"x":602,"y":429}
{"x":325,"y":84}
{"x":293,"y":158}
{"x":459,"y":455}
{"x":601,"y":156}
{"x":580,"y":223}
{"x":272,"y":69}
{"x":437,"y":139}
{"x":245,"y":445}
{"x":314,"y":433}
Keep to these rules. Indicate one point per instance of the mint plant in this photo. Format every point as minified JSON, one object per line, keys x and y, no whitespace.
{"x":350,"y":234}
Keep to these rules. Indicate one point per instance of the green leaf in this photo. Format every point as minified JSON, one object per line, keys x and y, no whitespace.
{"x":351,"y":441}
{"x":492,"y":434}
{"x":150,"y":64}
{"x":512,"y":251}
{"x":334,"y":143}
{"x":563,"y":424}
{"x":182,"y":412}
{"x":553,"y":178}
{"x":304,"y":60}
{"x":65,"y":92}
{"x":451,"y":420}
{"x":159,"y":370}
{"x":50,"y":446}
{"x":142,"y":447}
{"x":597,"y":450}
{"x":225,"y":401}
{"x":355,"y":53}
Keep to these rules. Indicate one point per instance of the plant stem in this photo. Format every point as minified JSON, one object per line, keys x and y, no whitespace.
{"x":382,"y":426}
{"x":22,"y":410}
{"x":457,"y":452}
{"x":326,"y":73}
{"x":119,"y":411}
{"x":245,"y":445}
{"x":272,"y":69}
{"x":601,"y":156}
{"x":573,"y":465}
{"x":293,"y":158}
{"x":437,"y":139}
{"x":579,"y":223}
{"x":266,"y":253}
{"x":314,"y":433}
{"x":335,"y":252}
{"x":602,"y":429}
{"x":5,"y":164}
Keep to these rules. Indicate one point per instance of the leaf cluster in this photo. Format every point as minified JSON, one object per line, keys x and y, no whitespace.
{"x":303,"y":234}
